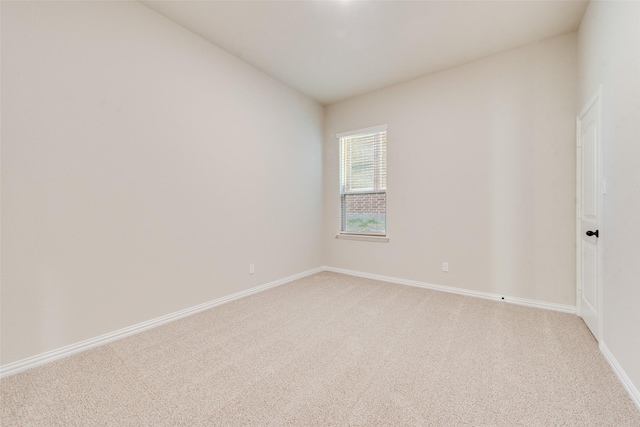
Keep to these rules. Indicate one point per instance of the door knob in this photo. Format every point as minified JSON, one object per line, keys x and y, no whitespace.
{"x":592,"y":233}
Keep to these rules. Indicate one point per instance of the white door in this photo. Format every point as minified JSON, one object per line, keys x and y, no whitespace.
{"x":589,"y":211}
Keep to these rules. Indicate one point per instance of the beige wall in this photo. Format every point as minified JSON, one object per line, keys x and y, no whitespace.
{"x":143,"y":169}
{"x":481,"y":174}
{"x":609,"y":53}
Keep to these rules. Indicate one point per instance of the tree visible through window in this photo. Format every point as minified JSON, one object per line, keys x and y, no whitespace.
{"x":363,"y":181}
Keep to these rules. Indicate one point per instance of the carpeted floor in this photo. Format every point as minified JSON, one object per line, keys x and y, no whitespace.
{"x":332,"y":349}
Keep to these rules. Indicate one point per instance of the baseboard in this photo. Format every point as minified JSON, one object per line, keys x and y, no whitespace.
{"x":621,"y":374}
{"x":486,"y":295}
{"x":50,"y":356}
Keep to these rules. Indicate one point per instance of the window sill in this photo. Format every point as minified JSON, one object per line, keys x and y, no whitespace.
{"x":363,"y":237}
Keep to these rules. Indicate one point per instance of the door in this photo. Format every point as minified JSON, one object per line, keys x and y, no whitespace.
{"x":589,"y":211}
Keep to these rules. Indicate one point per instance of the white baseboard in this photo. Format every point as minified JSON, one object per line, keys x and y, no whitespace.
{"x":621,"y":374}
{"x":50,"y":356}
{"x":486,"y":295}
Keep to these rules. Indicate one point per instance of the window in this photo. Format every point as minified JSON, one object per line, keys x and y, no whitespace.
{"x":363,"y":181}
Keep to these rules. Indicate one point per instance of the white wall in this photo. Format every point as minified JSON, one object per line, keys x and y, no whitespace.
{"x":609,"y":54}
{"x":481,"y":173}
{"x":143,"y":169}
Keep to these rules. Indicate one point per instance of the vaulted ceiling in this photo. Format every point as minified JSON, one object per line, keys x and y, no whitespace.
{"x":333,"y":50}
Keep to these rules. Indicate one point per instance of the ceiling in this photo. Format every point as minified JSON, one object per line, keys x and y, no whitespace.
{"x":333,"y":50}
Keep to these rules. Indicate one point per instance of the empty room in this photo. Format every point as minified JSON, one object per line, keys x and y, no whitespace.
{"x":327,"y":213}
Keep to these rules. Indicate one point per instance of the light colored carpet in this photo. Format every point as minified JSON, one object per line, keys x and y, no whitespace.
{"x":332,"y":349}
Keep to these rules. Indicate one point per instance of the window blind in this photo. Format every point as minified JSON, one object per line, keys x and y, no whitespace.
{"x":363,"y":181}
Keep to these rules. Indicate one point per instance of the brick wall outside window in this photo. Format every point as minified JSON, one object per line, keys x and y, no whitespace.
{"x":366,"y":203}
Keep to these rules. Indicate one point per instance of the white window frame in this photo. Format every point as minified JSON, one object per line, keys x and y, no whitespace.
{"x":349,"y":235}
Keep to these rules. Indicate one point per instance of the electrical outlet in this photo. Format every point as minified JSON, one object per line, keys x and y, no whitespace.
{"x":445,"y":267}
{"x":252,"y":268}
